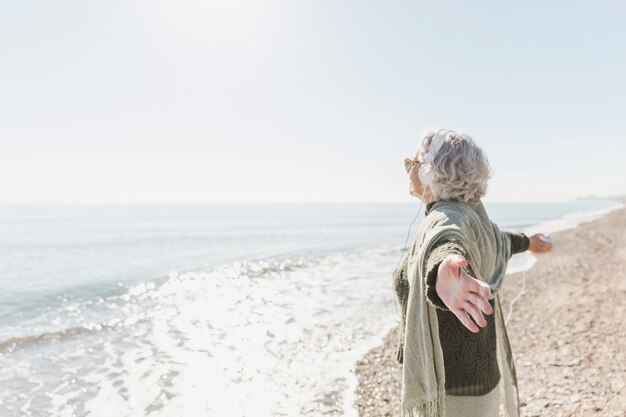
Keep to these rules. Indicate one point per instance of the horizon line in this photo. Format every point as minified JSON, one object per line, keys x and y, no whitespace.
{"x":618,"y":198}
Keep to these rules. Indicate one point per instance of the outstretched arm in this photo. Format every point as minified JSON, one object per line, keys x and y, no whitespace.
{"x":457,"y":291}
{"x":535,"y":243}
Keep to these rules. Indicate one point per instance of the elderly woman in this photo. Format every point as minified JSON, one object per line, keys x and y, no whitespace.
{"x":454,"y":349}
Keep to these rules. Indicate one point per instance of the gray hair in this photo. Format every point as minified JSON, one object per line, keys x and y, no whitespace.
{"x":461,"y":168}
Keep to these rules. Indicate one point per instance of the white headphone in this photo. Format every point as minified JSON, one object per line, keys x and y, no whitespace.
{"x":426,"y":173}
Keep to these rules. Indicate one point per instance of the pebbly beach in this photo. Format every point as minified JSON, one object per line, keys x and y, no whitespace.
{"x":566,"y":331}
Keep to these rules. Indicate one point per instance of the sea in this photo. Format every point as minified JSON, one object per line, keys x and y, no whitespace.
{"x":208,"y":310}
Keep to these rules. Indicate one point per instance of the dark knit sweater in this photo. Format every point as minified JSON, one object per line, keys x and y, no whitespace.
{"x":470,"y":362}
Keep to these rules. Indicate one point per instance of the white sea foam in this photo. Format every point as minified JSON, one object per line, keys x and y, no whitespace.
{"x":244,"y":339}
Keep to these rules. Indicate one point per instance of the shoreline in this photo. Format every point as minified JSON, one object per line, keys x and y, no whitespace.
{"x":570,"y":365}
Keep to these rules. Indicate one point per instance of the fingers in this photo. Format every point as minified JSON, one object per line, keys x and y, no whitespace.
{"x":481,"y":302}
{"x":463,"y":314}
{"x":475,"y":313}
{"x":544,"y":247}
{"x":464,"y":318}
{"x":460,"y":261}
{"x":477,"y":286}
{"x":539,"y":243}
{"x":547,"y":247}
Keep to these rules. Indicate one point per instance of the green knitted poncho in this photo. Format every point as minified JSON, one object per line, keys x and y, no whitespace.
{"x":487,"y":250}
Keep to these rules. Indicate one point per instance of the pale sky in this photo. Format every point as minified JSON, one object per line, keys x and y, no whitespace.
{"x":124,"y":101}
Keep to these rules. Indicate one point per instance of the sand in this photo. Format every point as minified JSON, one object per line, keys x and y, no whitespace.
{"x":567,"y":331}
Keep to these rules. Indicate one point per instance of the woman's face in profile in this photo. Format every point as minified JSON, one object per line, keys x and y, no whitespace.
{"x":415,"y":188}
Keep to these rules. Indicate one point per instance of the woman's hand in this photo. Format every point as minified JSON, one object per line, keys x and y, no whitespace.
{"x":538,"y":243}
{"x":462,"y":293}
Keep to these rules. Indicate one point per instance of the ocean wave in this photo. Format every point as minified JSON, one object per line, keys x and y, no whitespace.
{"x":137,"y":293}
{"x":15,"y":343}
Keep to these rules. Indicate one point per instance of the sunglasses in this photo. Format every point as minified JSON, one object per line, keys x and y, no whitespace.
{"x":408,"y":163}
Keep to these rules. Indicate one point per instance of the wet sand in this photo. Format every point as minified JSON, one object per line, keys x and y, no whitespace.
{"x":566,"y":331}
